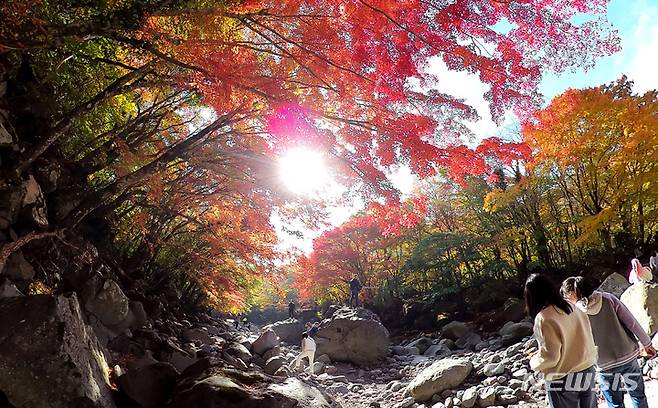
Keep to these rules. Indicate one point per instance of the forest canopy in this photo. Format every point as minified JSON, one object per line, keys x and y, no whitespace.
{"x":164,"y":119}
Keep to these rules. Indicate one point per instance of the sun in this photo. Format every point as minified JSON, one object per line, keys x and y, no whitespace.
{"x":303,"y":170}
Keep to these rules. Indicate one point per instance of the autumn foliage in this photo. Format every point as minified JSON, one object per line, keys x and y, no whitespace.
{"x":580,"y":199}
{"x":169,"y":117}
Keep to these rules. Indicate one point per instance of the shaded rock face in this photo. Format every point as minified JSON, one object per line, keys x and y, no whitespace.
{"x":455,"y":330}
{"x":514,"y":332}
{"x":149,"y":386}
{"x":8,"y":289}
{"x":440,"y":376}
{"x":17,"y":268}
{"x":615,"y":284}
{"x":49,"y":358}
{"x":218,"y":387}
{"x":104,"y":299}
{"x":642,"y":300}
{"x":353,"y":335}
{"x":289,"y":331}
{"x":267,"y":340}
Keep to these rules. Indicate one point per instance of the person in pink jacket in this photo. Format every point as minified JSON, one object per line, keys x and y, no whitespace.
{"x":619,"y":339}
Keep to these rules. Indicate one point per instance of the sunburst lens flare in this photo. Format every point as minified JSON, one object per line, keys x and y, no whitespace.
{"x":303,"y":171}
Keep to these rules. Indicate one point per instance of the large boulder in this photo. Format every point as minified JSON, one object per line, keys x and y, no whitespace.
{"x":49,"y":358}
{"x":104,"y":299}
{"x":273,"y":364}
{"x":513,"y":310}
{"x":216,"y":387}
{"x":353,"y":335}
{"x":8,"y":289}
{"x":267,"y":340}
{"x":199,"y":335}
{"x":615,"y":284}
{"x":289,"y":331}
{"x":34,"y":207}
{"x":514,"y":332}
{"x":440,"y":376}
{"x":455,"y":330}
{"x":239,"y":351}
{"x":642,"y":300}
{"x":422,"y":343}
{"x":17,"y":268}
{"x":149,"y":386}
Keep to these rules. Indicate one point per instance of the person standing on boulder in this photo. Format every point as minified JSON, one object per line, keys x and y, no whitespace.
{"x":355,"y":288}
{"x":616,"y":334}
{"x":639,"y":273}
{"x":308,"y":350}
{"x":566,"y":352}
{"x":291,"y":309}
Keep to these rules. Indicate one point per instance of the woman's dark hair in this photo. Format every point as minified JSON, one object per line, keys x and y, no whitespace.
{"x":540,"y":292}
{"x":583,"y":287}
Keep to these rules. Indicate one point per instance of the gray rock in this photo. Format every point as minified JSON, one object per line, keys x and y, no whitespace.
{"x":615,"y":284}
{"x":487,"y":397}
{"x":513,"y":332}
{"x":455,"y":330}
{"x":353,"y":335}
{"x":422,"y":344}
{"x":219,"y":387}
{"x":407,"y":402}
{"x":289,"y":331}
{"x":494,"y":369}
{"x":440,"y":376}
{"x":324,"y":358}
{"x":267,"y":340}
{"x":435,"y":350}
{"x":105,"y":300}
{"x":149,"y":386}
{"x":468,"y":341}
{"x":179,"y":359}
{"x":273,"y":352}
{"x":239,"y":351}
{"x":642,"y":300}
{"x":318,"y":367}
{"x":17,"y":268}
{"x":273,"y":364}
{"x":49,"y":357}
{"x":199,"y":335}
{"x":8,"y":290}
{"x":140,"y":318}
{"x":469,"y":398}
{"x":284,"y":372}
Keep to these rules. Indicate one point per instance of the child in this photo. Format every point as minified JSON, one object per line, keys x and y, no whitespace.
{"x":616,"y":334}
{"x":567,"y":353}
{"x":308,"y":350}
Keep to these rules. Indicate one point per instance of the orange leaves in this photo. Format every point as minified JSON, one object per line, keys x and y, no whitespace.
{"x":597,"y":145}
{"x":349,"y":63}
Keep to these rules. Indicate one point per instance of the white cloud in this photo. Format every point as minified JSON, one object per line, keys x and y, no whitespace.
{"x":643,"y":64}
{"x":467,"y":86}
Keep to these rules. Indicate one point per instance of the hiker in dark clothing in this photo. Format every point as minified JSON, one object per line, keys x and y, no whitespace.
{"x":237,"y":321}
{"x":291,"y":309}
{"x":355,"y":288}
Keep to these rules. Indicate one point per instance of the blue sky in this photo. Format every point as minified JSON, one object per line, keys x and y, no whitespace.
{"x":637,"y":25}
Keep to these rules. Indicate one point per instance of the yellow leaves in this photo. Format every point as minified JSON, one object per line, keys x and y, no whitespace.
{"x":592,"y":225}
